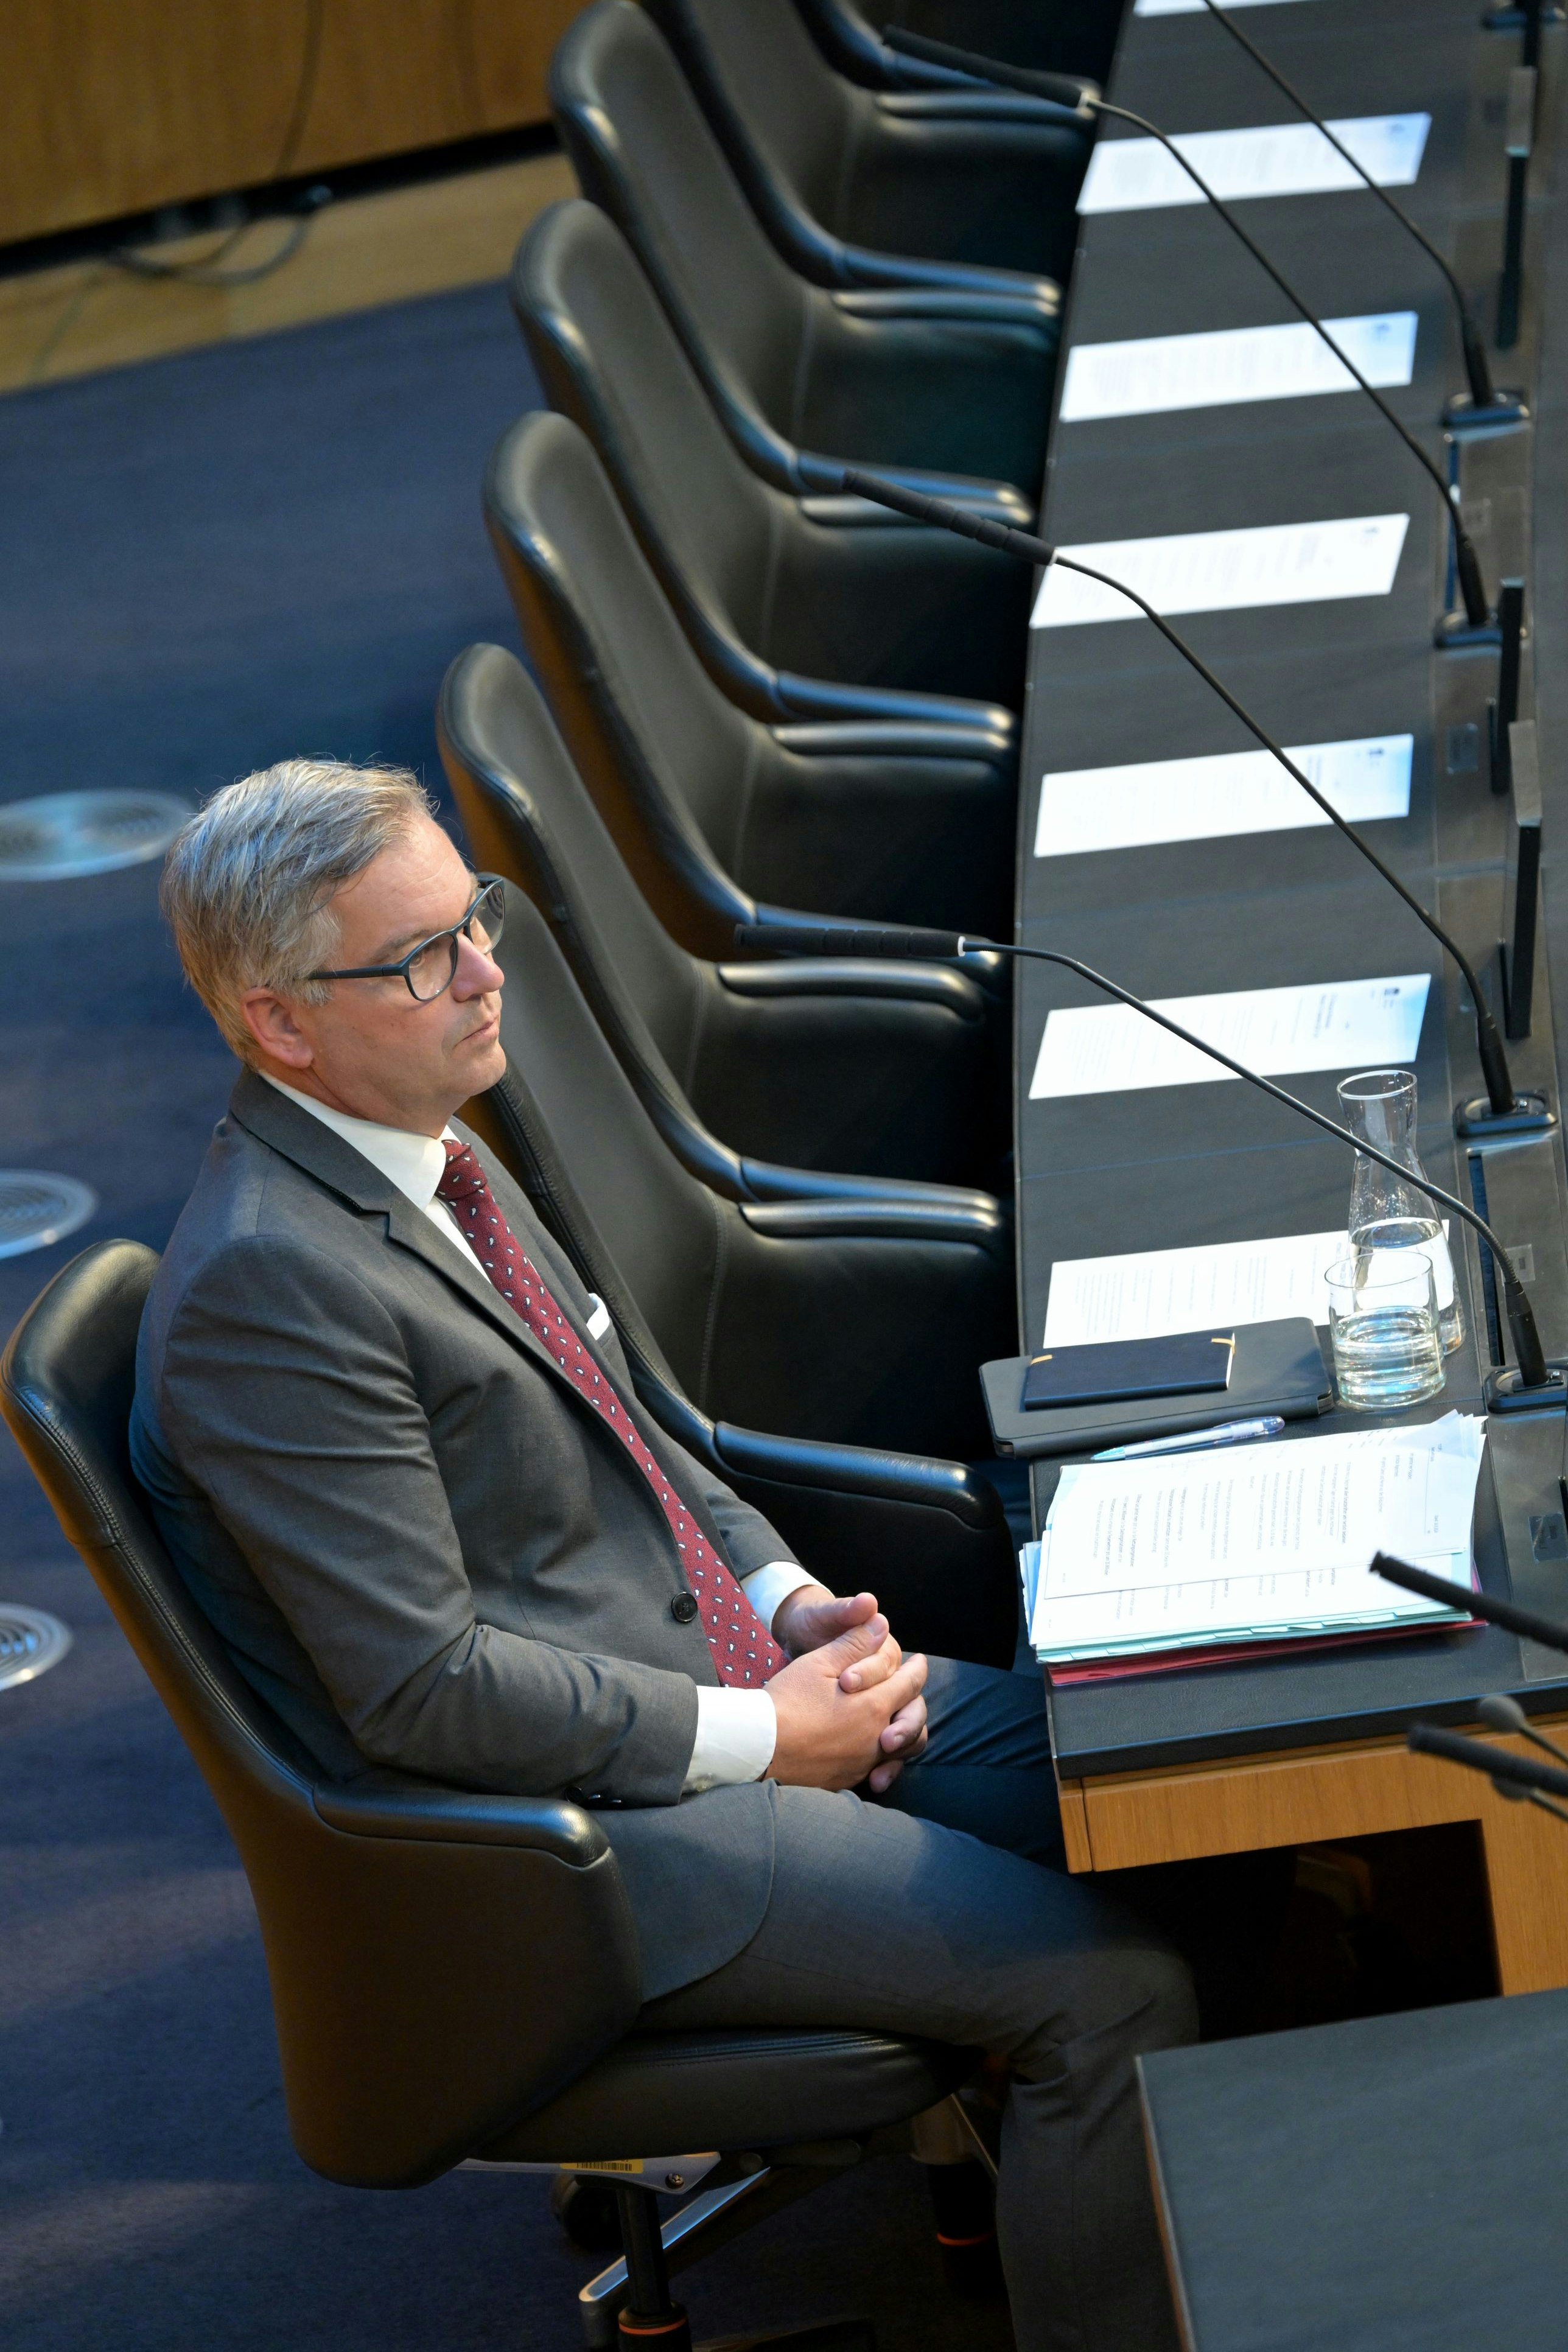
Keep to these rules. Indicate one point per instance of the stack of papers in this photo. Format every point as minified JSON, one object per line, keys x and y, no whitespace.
{"x":1218,"y":1551}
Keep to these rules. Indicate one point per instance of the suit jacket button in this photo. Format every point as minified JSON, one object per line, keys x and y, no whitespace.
{"x":683,"y":1608}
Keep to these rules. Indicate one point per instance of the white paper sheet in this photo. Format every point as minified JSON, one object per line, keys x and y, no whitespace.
{"x":1145,"y":1293}
{"x":1259,"y":1540}
{"x":1159,"y":372}
{"x":1099,"y":1049}
{"x":1271,"y":158}
{"x":1087,"y":809}
{"x":1226,"y":570}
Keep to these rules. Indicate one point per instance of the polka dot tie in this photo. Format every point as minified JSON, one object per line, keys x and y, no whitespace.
{"x":744,"y":1652}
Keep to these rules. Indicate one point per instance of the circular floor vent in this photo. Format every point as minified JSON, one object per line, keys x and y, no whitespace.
{"x":64,"y":835}
{"x":35,"y":1209}
{"x":30,"y":1643}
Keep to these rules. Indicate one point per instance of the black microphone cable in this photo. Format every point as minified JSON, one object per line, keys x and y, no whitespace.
{"x":1488,"y":406}
{"x":1515,"y":1113}
{"x":1529,"y":1358}
{"x":1466,"y":565}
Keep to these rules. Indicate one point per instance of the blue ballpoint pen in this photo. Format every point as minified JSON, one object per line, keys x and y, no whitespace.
{"x":1188,"y":1440}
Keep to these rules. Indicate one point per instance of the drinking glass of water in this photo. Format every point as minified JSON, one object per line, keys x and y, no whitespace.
{"x":1382,"y":1322}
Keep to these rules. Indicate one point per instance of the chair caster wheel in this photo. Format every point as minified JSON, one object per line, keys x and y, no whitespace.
{"x":587,"y":2210}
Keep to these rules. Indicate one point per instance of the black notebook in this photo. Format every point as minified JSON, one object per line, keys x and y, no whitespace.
{"x":1176,"y":1364}
{"x":1277,"y":1367}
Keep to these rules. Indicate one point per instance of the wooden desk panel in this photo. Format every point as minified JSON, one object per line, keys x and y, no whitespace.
{"x":1318,"y":1794}
{"x":119,"y":106}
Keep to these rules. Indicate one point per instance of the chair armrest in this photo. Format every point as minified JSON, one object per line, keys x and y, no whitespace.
{"x":991,"y":735}
{"x":833,"y":511}
{"x":863,"y":266}
{"x":1020,"y":304}
{"x":959,"y":103}
{"x":928,"y":983}
{"x":767,"y":1180}
{"x":994,"y":974}
{"x":863,"y":1471}
{"x":382,"y":1804}
{"x":942,"y":1213}
{"x":794,"y":697}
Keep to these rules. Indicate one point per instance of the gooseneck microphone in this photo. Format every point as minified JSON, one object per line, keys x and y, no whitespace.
{"x":1500,"y":1713}
{"x":1466,"y":565}
{"x":1526,"y":1623}
{"x":1518,"y":1777}
{"x":1502,"y":1111}
{"x":1537,"y":1382}
{"x":1486,"y":407}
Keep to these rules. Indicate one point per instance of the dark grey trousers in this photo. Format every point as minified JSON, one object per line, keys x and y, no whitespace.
{"x":937,"y":1914}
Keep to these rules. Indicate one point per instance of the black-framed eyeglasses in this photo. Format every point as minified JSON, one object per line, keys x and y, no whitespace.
{"x":429,"y":970}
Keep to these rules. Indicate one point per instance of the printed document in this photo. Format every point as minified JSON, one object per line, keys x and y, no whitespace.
{"x":1226,"y":570}
{"x":1101,"y":1049}
{"x":1253,"y":1542}
{"x":1274,"y":158}
{"x":1085,"y":809}
{"x":1145,"y":1294}
{"x":1159,"y":372}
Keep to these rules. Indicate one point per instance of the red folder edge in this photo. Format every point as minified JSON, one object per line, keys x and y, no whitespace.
{"x":1214,"y":1654}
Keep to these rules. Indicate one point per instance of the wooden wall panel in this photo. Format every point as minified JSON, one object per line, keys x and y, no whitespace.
{"x":118,"y":106}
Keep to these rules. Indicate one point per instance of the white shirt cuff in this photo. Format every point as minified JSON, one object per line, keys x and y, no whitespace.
{"x":736,"y":1734}
{"x":767,"y":1586}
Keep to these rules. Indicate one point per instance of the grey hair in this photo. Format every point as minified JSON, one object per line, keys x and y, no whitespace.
{"x":248,"y":882}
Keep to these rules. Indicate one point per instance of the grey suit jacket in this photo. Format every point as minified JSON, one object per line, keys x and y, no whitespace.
{"x":420,"y":1542}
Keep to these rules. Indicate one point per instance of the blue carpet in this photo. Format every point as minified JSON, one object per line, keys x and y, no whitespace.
{"x":266,"y":547}
{"x":210,"y":562}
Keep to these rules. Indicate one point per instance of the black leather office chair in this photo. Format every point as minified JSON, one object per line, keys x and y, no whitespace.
{"x":833,"y":594}
{"x":907,"y":378}
{"x":821,"y":1355}
{"x":801,"y":1068}
{"x":860,"y":187}
{"x":1066,"y":37}
{"x":453,"y":1976}
{"x":721,"y":818}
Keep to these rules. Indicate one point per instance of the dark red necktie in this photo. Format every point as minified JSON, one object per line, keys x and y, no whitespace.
{"x":744,"y":1652}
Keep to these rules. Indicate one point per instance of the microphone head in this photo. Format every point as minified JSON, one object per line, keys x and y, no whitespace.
{"x":1500,"y":1713}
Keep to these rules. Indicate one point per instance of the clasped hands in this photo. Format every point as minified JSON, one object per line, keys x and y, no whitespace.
{"x":849,"y":1704}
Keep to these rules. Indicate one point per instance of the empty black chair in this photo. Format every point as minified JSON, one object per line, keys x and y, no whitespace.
{"x":1074,"y":37}
{"x":721,"y":819}
{"x":909,"y":380}
{"x":453,"y":1976}
{"x":858,"y":1321}
{"x":758,"y":1075}
{"x":820,"y":1354}
{"x":798,"y":606}
{"x":860,"y":187}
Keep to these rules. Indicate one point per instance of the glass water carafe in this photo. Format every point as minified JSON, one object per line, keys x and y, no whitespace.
{"x":1379,"y":1107}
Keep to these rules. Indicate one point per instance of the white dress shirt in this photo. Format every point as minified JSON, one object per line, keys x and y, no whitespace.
{"x":736,"y":1729}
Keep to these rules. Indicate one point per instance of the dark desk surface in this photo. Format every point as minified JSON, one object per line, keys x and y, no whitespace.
{"x":1199,"y":1163}
{"x":1395,"y":2184}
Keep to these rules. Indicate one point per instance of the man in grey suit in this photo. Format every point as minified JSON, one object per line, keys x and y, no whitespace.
{"x":393,"y":1446}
